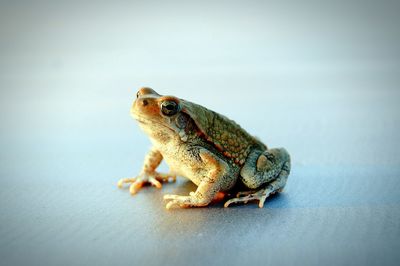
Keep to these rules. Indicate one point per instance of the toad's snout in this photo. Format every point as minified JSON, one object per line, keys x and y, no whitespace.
{"x":147,"y":91}
{"x":145,"y":106}
{"x":145,"y":100}
{"x":142,"y":102}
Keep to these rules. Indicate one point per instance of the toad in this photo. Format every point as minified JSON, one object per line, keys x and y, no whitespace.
{"x":211,"y":150}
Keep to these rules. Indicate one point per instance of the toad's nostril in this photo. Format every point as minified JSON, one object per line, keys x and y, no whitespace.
{"x":145,"y":102}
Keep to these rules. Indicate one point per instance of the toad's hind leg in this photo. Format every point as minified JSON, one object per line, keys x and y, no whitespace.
{"x":266,"y":171}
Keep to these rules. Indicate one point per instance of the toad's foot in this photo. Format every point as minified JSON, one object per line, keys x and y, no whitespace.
{"x":155,"y":179}
{"x":184,"y":201}
{"x":247,"y":196}
{"x":267,"y":170}
{"x":246,"y":193}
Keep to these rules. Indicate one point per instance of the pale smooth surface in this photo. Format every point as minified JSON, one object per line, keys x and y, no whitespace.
{"x":319,"y":78}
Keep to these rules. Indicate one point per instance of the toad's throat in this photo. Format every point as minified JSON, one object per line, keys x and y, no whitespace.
{"x":151,"y":123}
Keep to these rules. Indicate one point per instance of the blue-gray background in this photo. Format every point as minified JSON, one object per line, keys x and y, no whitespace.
{"x":320,"y":78}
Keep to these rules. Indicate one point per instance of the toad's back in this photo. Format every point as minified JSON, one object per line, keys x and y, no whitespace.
{"x":227,"y":136}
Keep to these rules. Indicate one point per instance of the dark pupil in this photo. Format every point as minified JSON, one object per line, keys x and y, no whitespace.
{"x":169,"y":108}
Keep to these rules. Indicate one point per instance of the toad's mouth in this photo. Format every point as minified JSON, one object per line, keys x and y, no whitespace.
{"x":150,"y":122}
{"x":139,"y":118}
{"x":141,"y":121}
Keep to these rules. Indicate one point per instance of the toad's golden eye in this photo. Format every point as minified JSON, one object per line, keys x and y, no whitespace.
{"x":169,"y":108}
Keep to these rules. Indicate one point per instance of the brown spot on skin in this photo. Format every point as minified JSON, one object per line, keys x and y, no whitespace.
{"x":219,"y":147}
{"x":227,"y":154}
{"x":153,"y":110}
{"x":219,"y":196}
{"x":261,"y":162}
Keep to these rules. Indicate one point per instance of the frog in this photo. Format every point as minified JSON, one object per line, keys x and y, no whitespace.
{"x":209,"y":149}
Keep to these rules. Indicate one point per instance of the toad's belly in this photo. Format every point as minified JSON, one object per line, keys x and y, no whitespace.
{"x":186,"y":166}
{"x":184,"y":162}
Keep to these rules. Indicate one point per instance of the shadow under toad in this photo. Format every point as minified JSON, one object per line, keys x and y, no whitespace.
{"x":208,"y":220}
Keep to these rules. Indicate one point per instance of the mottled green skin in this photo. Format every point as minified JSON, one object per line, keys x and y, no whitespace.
{"x":196,"y":142}
{"x":227,"y":136}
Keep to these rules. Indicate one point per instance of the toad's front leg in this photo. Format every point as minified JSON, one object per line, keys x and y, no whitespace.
{"x":210,"y":185}
{"x":148,"y":174}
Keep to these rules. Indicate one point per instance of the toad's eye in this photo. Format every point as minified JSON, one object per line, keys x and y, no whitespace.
{"x":169,"y":108}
